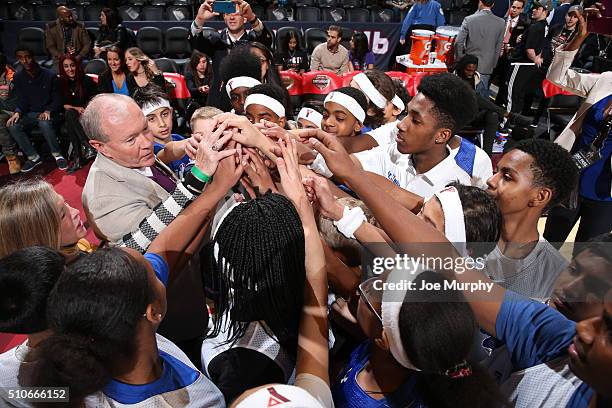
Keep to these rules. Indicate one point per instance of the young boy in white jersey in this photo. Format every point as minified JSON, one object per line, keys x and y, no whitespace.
{"x":420,"y":159}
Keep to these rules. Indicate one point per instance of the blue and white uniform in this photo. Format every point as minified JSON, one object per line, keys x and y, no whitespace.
{"x":348,"y":393}
{"x":537,"y":338}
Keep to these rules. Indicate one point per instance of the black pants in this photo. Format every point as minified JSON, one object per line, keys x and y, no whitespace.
{"x":77,"y":135}
{"x":523,"y":78}
{"x":489,"y":117}
{"x":501,"y":74}
{"x":595,"y":219}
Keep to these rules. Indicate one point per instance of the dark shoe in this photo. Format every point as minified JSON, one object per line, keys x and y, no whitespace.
{"x":62,"y":163}
{"x":29,"y":165}
{"x":520,"y":120}
{"x":74,"y":167}
{"x":90,"y":154}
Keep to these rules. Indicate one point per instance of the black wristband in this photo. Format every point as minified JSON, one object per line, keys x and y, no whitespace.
{"x":254,"y":21}
{"x":192,"y":183}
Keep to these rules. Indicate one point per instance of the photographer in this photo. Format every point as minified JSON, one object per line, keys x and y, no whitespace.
{"x":217,"y":45}
{"x":588,"y":136}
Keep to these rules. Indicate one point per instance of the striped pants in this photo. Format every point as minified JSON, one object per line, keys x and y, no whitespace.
{"x":524,"y":77}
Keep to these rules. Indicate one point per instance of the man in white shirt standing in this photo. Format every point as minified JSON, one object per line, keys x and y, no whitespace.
{"x":420,"y":159}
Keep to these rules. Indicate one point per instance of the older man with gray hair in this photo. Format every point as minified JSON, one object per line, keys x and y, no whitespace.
{"x":130,"y":197}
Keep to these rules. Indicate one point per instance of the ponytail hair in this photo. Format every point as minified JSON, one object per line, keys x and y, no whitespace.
{"x":437,"y":330}
{"x":93,"y":313}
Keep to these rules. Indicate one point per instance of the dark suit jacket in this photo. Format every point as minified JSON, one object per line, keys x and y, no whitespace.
{"x":54,"y":39}
{"x":521,"y":27}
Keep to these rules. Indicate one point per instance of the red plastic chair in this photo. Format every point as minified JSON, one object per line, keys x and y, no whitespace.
{"x":292,"y":81}
{"x":347,"y":77}
{"x":317,"y":84}
{"x":402,"y":76}
{"x":180,"y":90}
{"x":414,"y":80}
{"x":94,"y":77}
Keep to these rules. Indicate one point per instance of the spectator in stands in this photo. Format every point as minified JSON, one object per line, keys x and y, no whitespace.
{"x":423,"y":14}
{"x":291,"y":56}
{"x":532,"y":177}
{"x":360,"y":56}
{"x":240,"y":71}
{"x":331,"y":55}
{"x":66,"y":36}
{"x":112,"y":33}
{"x":266,"y":102}
{"x":32,"y":213}
{"x":266,"y":59}
{"x":199,"y":76}
{"x":588,"y":131}
{"x":527,"y":73}
{"x":142,"y":71}
{"x":159,"y":114}
{"x":114,"y":80}
{"x":7,"y":107}
{"x":77,"y":90}
{"x":216,"y":45}
{"x":489,"y":116}
{"x":557,"y":15}
{"x":38,"y":103}
{"x":482,"y":36}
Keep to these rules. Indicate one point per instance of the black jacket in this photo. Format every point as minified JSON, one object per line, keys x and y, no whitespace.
{"x":521,"y":27}
{"x":217,"y":45}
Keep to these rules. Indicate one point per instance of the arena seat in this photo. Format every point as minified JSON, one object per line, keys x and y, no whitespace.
{"x":347,"y":77}
{"x":46,"y":12}
{"x":160,"y":3}
{"x":382,"y":16}
{"x":278,"y":14}
{"x":96,"y":66}
{"x":152,"y":13}
{"x":95,"y":77}
{"x":176,"y":45}
{"x":317,"y":84}
{"x":129,"y":13}
{"x":21,"y":11}
{"x":314,"y":36}
{"x":92,"y":13}
{"x":150,"y":41}
{"x":305,"y":3}
{"x":179,"y":94}
{"x":4,"y":11}
{"x":292,"y":81}
{"x":259,"y":11}
{"x":281,"y":35}
{"x":307,"y":13}
{"x":335,"y":14}
{"x":167,"y":65}
{"x":93,"y":33}
{"x":178,"y":13}
{"x":34,"y":38}
{"x":327,"y":3}
{"x":358,"y":15}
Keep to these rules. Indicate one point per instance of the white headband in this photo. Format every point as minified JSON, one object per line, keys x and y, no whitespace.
{"x":149,"y":108}
{"x":390,"y":317}
{"x":454,"y":222}
{"x":216,"y":228}
{"x":398,"y":103}
{"x":310,"y":115}
{"x":241,"y":81}
{"x":370,"y":90}
{"x":264,"y":100}
{"x":348,"y":102}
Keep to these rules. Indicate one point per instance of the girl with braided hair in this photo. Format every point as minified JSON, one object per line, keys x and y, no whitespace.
{"x":256,"y":276}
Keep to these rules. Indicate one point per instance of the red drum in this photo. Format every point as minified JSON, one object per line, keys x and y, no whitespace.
{"x":445,"y":40}
{"x":421,"y":46}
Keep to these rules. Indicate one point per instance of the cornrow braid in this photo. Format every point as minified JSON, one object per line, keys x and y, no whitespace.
{"x":259,"y":272}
